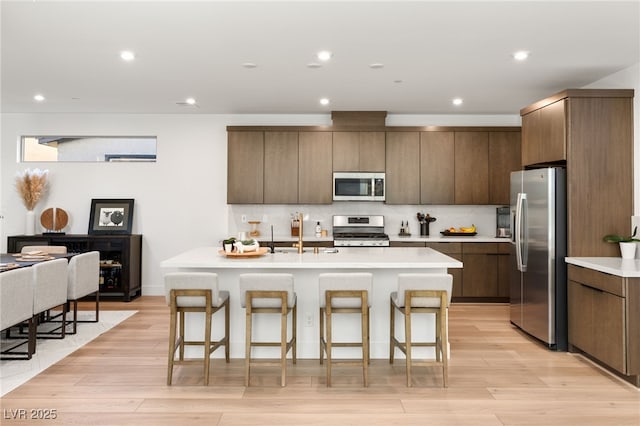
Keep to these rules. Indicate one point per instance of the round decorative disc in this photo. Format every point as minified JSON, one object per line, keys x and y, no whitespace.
{"x":54,"y":218}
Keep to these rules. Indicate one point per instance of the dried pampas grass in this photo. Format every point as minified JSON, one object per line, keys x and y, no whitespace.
{"x":31,"y":185}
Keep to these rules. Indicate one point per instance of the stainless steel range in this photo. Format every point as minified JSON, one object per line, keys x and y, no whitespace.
{"x":359,"y":231}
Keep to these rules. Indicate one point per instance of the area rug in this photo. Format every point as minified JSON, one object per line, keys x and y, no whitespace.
{"x":49,"y":351}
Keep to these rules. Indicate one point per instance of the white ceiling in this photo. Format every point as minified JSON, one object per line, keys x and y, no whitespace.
{"x":69,"y":52}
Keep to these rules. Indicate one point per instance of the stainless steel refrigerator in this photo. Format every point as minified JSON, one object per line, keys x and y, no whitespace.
{"x":538,"y":281}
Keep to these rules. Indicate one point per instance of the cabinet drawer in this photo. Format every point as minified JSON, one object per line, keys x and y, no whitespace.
{"x":480,"y":248}
{"x":406,"y":244}
{"x":598,"y":280}
{"x":446,"y":248}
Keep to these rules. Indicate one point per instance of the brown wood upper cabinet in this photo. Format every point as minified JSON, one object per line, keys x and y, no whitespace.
{"x":471,"y":167}
{"x":403,"y":168}
{"x":592,"y":130}
{"x":437,"y":168}
{"x":245,"y":167}
{"x":358,"y":151}
{"x":544,"y":135}
{"x":280,"y":167}
{"x":504,"y":158}
{"x":314,"y":168}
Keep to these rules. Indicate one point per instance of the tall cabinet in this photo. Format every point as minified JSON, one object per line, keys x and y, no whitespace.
{"x":591,"y":132}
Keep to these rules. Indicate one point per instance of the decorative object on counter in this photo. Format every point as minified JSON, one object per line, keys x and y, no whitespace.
{"x":404,"y":230}
{"x":272,"y":247}
{"x":461,"y":232}
{"x":110,"y":216}
{"x":31,"y":186}
{"x":247,"y":246}
{"x":318,"y":230}
{"x":254,"y":232}
{"x":627,"y":244}
{"x":295,"y":224}
{"x":54,"y":219}
{"x":424,"y":221}
{"x":228,"y":244}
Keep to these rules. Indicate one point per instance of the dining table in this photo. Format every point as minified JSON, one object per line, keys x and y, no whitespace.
{"x":9,"y":261}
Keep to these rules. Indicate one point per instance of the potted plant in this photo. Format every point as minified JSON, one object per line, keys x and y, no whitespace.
{"x":228,"y":244}
{"x":627,"y":244}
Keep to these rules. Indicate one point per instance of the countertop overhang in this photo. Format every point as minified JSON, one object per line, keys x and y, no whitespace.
{"x":628,"y":268}
{"x":344,"y":258}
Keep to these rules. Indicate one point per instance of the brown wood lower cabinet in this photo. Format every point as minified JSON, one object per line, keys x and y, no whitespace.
{"x":604,"y":319}
{"x":485,"y":273}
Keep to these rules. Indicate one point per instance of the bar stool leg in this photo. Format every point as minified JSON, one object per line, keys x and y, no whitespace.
{"x":294,"y":330}
{"x":207,"y":344}
{"x":247,"y":349}
{"x":283,"y":342}
{"x":444,"y":339}
{"x":172,"y":345}
{"x":365,"y":341}
{"x":392,"y":332}
{"x":226,"y":330}
{"x":328,"y":314}
{"x":322,"y":347}
{"x":181,"y":336}
{"x":407,"y":338}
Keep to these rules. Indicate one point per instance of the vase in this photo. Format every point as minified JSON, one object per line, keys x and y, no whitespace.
{"x":30,"y":223}
{"x":628,"y":250}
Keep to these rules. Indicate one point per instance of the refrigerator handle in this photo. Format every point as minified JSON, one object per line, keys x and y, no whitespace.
{"x":519,"y":231}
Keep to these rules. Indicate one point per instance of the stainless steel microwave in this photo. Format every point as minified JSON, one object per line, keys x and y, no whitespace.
{"x":358,"y":186}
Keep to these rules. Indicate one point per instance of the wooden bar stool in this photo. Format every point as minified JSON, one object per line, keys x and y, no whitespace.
{"x":422,"y":293}
{"x":195,"y":292}
{"x":271,"y":294}
{"x":342,"y":293}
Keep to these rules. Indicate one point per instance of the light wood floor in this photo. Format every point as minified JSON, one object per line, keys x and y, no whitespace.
{"x":497,"y":377}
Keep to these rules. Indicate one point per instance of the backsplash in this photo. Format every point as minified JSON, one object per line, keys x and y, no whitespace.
{"x":484,"y":217}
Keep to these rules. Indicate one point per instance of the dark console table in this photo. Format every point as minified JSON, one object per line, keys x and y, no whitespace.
{"x":120,"y":258}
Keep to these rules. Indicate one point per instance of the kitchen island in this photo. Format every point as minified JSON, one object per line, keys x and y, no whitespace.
{"x":384,"y":263}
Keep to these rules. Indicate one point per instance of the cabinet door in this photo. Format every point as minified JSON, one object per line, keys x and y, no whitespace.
{"x":372,"y":152}
{"x":608,"y":329}
{"x":437,"y":168}
{"x":544,"y":135}
{"x":480,"y":275}
{"x":346,"y":151}
{"x":245,"y":167}
{"x":358,"y":151}
{"x":552,"y":132}
{"x":530,"y":138}
{"x":314,"y":168}
{"x":580,"y":316}
{"x":504,"y":274}
{"x":471,"y":168}
{"x":280,"y":167}
{"x":504,"y":158}
{"x":403,"y":168}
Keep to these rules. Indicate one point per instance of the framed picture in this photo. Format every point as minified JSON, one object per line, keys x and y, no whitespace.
{"x":111,"y":216}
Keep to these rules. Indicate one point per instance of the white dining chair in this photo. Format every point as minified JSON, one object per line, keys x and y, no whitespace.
{"x":16,"y":307}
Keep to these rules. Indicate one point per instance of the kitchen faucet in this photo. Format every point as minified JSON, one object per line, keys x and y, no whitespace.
{"x":300,"y":244}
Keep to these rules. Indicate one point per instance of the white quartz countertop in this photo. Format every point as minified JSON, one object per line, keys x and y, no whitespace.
{"x":344,"y":258}
{"x":610,"y":265}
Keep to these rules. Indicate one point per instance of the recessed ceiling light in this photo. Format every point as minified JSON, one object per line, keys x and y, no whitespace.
{"x":457,"y":101}
{"x":521,"y":55}
{"x":324,"y":55}
{"x":314,"y":65}
{"x":324,"y":101}
{"x":38,"y":98}
{"x":127,"y":55}
{"x":397,"y":81}
{"x":190,"y":101}
{"x":376,"y":66}
{"x":249,"y":65}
